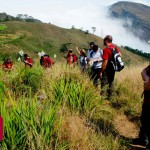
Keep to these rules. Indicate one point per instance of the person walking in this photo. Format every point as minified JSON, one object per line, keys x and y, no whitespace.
{"x":144,"y":133}
{"x":46,"y":61}
{"x":90,"y":49}
{"x":82,"y":59}
{"x":71,"y":58}
{"x":96,"y":58}
{"x":8,"y":64}
{"x":28,"y":61}
{"x":107,"y":72}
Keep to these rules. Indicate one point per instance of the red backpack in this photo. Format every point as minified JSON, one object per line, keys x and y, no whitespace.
{"x":75,"y":58}
{"x":46,"y":61}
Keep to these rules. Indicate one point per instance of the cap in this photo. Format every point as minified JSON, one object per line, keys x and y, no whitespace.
{"x":92,"y":43}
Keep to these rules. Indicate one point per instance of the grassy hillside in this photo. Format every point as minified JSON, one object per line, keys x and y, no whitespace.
{"x":34,"y":37}
{"x":59,"y":108}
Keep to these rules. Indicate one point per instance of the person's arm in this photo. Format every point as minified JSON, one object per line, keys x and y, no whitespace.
{"x":105,"y":58}
{"x":104,"y":64}
{"x":78,"y":50}
{"x":145,"y":77}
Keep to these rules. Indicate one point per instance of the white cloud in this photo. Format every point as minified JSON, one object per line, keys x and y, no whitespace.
{"x":79,"y":13}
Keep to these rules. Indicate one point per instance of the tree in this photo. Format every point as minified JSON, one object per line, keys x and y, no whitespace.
{"x":94,"y":29}
{"x":81,"y":29}
{"x":19,"y":17}
{"x":73,"y":27}
{"x":87,"y":32}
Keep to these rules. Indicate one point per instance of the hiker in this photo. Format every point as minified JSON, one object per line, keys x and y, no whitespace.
{"x":91,"y":48}
{"x":89,"y":63}
{"x":8,"y":64}
{"x":96,"y":57}
{"x":45,"y":61}
{"x":82,"y":59}
{"x":145,"y":119}
{"x":20,"y":55}
{"x":28,"y":61}
{"x":71,"y":58}
{"x":107,"y":73}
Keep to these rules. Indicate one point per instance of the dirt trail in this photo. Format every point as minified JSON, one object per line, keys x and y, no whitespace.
{"x":125,"y":127}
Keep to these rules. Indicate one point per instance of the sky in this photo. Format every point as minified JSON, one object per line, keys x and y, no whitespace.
{"x":81,"y":14}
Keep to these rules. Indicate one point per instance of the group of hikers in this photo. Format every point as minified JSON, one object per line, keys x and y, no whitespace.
{"x":99,"y":62}
{"x":45,"y":61}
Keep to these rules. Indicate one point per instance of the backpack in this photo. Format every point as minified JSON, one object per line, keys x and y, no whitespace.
{"x":44,"y":61}
{"x":116,"y":62}
{"x":75,"y":58}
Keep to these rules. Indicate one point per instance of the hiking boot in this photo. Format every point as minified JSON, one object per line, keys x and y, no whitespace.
{"x":139,"y":141}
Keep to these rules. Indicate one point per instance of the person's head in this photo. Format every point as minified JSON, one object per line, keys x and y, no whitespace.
{"x":108,"y":40}
{"x":92,"y":44}
{"x":8,"y":60}
{"x":83,"y":52}
{"x":46,"y":55}
{"x":70,"y":51}
{"x":25,"y":55}
{"x":95,"y":48}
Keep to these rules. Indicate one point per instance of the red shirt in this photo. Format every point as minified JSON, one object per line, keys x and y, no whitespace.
{"x":47,"y":62}
{"x":107,"y":52}
{"x":28,"y":62}
{"x":7,"y":65}
{"x":71,"y":59}
{"x":50,"y":61}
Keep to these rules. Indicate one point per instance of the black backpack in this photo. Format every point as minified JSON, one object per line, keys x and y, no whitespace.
{"x":116,"y":62}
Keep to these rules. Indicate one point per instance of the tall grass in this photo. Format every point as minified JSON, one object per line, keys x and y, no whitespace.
{"x":59,"y":108}
{"x":129,"y":89}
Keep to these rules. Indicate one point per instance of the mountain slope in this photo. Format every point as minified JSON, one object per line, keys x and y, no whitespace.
{"x":35,"y":37}
{"x":136,"y":17}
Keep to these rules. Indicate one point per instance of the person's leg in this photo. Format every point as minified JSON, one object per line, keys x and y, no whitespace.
{"x":141,"y":140}
{"x":96,"y":76}
{"x":104,"y":84}
{"x":147,"y":122}
{"x":110,"y":76}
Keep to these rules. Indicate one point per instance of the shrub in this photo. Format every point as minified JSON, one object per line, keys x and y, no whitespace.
{"x":27,"y":81}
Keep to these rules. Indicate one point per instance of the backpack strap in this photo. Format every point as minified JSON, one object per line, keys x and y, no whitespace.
{"x":91,"y":53}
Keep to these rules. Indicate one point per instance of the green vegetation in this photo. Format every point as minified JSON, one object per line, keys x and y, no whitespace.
{"x":3,"y":27}
{"x":138,"y":52}
{"x":59,"y":108}
{"x":35,"y":37}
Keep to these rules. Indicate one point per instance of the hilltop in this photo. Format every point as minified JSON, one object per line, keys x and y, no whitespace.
{"x":136,"y":17}
{"x":34,"y":37}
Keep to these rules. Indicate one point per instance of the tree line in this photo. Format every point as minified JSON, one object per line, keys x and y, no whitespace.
{"x":19,"y":17}
{"x":138,"y":52}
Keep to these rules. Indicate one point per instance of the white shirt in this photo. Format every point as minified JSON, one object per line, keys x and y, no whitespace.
{"x":95,"y":57}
